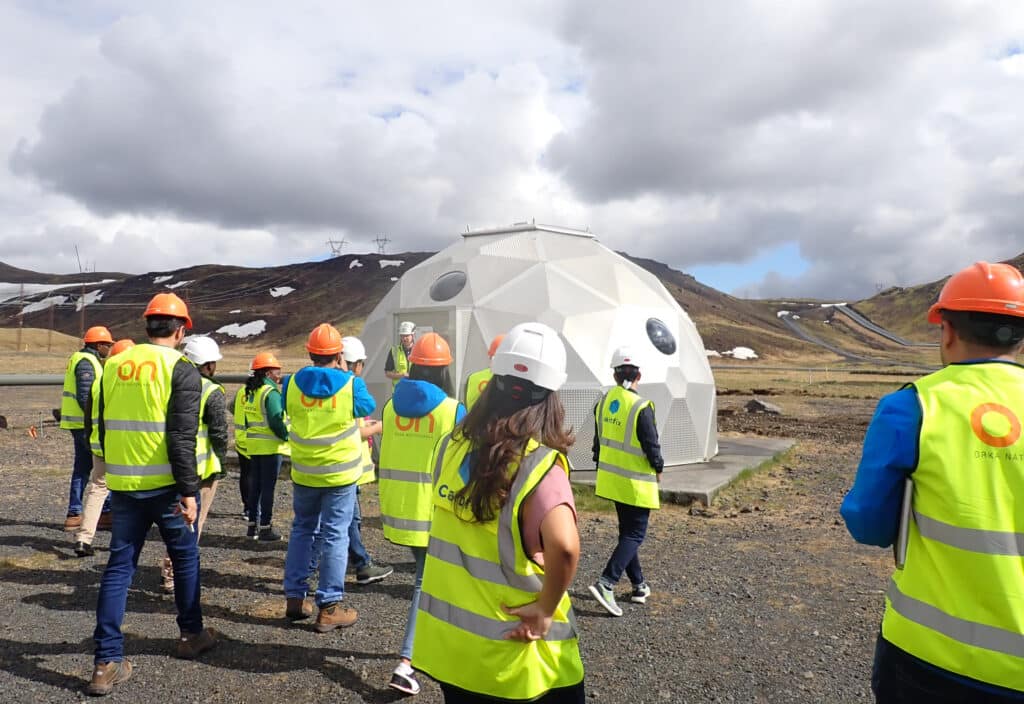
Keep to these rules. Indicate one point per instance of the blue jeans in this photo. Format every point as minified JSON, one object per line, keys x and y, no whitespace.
{"x":132,"y":520}
{"x":81,"y":469}
{"x":626,"y":557}
{"x":263,"y":471}
{"x":420,"y":556}
{"x":331,"y":508}
{"x":357,"y":556}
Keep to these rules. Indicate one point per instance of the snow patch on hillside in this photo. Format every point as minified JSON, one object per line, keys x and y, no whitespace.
{"x":256,"y":327}
{"x":9,"y":291}
{"x":354,"y":263}
{"x":281,"y":291}
{"x":782,"y":314}
{"x":712,"y":353}
{"x":179,"y":284}
{"x":830,"y":305}
{"x":161,"y":279}
{"x":236,"y":310}
{"x":44,"y":304}
{"x":391,"y":262}
{"x":741,"y":353}
{"x":90,"y":298}
{"x":394,"y":278}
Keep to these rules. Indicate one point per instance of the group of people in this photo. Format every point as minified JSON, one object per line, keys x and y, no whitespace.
{"x":479,"y":493}
{"x":480,"y":497}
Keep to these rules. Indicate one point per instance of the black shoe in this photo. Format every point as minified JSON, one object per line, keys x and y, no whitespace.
{"x":268,"y":534}
{"x":84,"y":549}
{"x":368,"y":574}
{"x":251,"y":532}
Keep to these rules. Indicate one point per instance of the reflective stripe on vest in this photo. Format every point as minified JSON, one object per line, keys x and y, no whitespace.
{"x":136,"y":392}
{"x":259,"y":438}
{"x":956,"y":604}
{"x":406,"y":449}
{"x":72,"y":415}
{"x":401,"y":363}
{"x":324,"y":437}
{"x":471,"y":569}
{"x":238,"y":410}
{"x":475,"y":385}
{"x":623,"y":472}
{"x":207,"y":463}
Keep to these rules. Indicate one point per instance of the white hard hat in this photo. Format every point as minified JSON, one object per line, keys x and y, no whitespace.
{"x":625,"y":355}
{"x":352,"y":349}
{"x":202,"y":349}
{"x":534,"y":352}
{"x":406,"y":327}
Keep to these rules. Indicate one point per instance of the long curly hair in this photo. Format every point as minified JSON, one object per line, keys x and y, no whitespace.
{"x":507,"y":415}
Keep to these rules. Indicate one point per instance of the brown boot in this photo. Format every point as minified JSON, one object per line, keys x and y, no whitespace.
{"x":73,"y":522}
{"x":332,"y":616}
{"x":106,"y":674}
{"x":192,"y":645}
{"x":298,"y":608}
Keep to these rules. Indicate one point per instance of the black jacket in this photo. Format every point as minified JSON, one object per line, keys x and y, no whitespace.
{"x":646,"y":433}
{"x":182,"y":425}
{"x":84,"y":376}
{"x":216,"y":419}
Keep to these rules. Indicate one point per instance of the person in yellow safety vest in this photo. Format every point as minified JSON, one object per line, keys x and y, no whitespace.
{"x":477,"y":381}
{"x":953,"y":629}
{"x":96,"y":498}
{"x":324,"y":402}
{"x":420,"y":413}
{"x":148,"y":422}
{"x":212,"y":441}
{"x":266,"y":441}
{"x":244,"y":463}
{"x":396,"y":366}
{"x":83,"y":368}
{"x":495,"y":621}
{"x":629,"y":466}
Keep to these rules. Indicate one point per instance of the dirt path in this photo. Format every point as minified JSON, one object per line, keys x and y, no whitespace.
{"x":764,"y":598}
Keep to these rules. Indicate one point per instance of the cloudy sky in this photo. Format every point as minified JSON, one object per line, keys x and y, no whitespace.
{"x":812,"y":147}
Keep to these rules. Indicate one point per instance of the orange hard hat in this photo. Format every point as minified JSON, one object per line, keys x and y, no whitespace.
{"x":97,"y":333}
{"x":265,"y":360}
{"x":982,"y":288}
{"x":494,"y":345}
{"x":325,"y":339}
{"x":121,"y":345}
{"x":168,"y":304}
{"x":431,"y":350}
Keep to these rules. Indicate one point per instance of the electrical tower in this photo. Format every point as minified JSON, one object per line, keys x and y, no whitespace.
{"x":337,"y":246}
{"x":381,"y":241}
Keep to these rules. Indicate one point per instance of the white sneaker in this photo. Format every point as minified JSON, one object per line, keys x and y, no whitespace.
{"x":404,"y":680}
{"x":606,"y":598}
{"x":640,"y":593}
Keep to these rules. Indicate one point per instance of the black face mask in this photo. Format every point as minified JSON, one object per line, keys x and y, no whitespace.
{"x":510,"y":394}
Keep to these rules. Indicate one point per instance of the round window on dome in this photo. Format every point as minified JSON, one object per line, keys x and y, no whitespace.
{"x":660,"y":336}
{"x":448,"y":285}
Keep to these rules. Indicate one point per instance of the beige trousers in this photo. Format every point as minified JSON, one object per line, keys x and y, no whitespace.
{"x":207,"y":490}
{"x":92,"y":501}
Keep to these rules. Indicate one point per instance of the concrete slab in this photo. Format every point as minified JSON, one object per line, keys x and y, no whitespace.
{"x":701,"y":482}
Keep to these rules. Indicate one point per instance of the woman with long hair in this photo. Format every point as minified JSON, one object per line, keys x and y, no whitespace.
{"x":495,"y":621}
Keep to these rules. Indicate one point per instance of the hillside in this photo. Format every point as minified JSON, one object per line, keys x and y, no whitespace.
{"x":276,"y":306}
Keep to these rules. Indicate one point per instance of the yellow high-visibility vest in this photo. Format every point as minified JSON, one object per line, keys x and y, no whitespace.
{"x":72,"y":415}
{"x":238,"y":411}
{"x":475,"y":385}
{"x":94,"y":415}
{"x":207,"y":462}
{"x":623,"y":472}
{"x":471,"y":570}
{"x":259,"y":438}
{"x":404,"y":475}
{"x":958,"y":602}
{"x":401,"y":362}
{"x":136,"y":392}
{"x":324,"y":438}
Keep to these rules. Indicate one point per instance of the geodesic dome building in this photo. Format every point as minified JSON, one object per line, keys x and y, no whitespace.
{"x":597,"y":300}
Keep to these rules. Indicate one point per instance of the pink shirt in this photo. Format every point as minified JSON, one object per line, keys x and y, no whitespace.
{"x":553,"y":491}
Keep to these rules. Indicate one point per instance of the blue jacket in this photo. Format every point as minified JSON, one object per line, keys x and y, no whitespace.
{"x":324,"y":382}
{"x":414,"y":398}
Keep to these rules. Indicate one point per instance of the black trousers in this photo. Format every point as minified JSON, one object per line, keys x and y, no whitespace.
{"x":563,"y":695}
{"x":900,"y":678}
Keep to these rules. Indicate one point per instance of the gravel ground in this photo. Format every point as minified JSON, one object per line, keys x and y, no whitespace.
{"x":761,"y":598}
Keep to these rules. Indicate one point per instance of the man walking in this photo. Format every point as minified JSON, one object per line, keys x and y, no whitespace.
{"x":148,"y":421}
{"x":952,"y":629}
{"x":84,"y":367}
